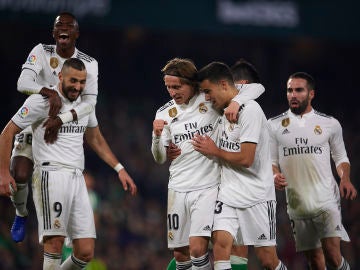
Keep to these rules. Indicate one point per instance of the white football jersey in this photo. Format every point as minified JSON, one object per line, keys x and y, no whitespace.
{"x":68,"y":148}
{"x":301,"y":148}
{"x":46,"y":64}
{"x":244,"y":187}
{"x":191,"y":170}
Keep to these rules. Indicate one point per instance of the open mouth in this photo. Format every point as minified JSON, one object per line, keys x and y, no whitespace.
{"x":63,"y":36}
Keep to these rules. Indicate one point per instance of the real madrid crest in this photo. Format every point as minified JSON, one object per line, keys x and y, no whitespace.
{"x":173,"y":112}
{"x":202,"y":108}
{"x":231,"y":127}
{"x":317,"y":130}
{"x":285,"y":122}
{"x":54,"y":62}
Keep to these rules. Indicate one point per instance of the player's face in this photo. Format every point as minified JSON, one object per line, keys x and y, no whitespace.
{"x":299,"y":96}
{"x":65,"y":32}
{"x":179,"y":91}
{"x":214,"y":94}
{"x":72,"y":83}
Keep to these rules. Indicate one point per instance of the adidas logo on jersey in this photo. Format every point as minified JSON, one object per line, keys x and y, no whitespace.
{"x":207,"y":228}
{"x":286,"y":131}
{"x":174,"y":120}
{"x":337,"y":228}
{"x":262,"y":237}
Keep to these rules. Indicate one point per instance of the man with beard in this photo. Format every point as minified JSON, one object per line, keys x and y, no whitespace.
{"x":38,"y":76}
{"x":59,"y":192}
{"x":302,"y":140}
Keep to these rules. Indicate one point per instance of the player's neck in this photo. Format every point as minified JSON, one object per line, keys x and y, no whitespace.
{"x":65,"y":53}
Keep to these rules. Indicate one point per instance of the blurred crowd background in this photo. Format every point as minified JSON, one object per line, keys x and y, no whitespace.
{"x":132,"y":41}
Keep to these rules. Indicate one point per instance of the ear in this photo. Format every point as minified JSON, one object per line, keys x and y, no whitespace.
{"x":223,"y":84}
{"x":60,"y":75}
{"x":312,"y":94}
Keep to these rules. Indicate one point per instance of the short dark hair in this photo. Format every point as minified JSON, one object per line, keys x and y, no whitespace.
{"x":214,"y":72}
{"x":307,"y":77}
{"x":73,"y":63}
{"x":244,"y":70}
{"x":66,"y":13}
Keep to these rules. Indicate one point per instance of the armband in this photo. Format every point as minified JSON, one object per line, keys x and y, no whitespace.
{"x":118,"y":167}
{"x":66,"y":117}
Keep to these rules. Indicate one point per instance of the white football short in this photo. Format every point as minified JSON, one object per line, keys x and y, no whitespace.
{"x":62,"y":204}
{"x":252,"y":226}
{"x":22,"y":144}
{"x":308,"y":231}
{"x":190,"y":214}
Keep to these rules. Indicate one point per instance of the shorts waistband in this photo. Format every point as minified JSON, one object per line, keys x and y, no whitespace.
{"x":55,"y":166}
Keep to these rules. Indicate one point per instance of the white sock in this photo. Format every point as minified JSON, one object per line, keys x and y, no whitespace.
{"x":202,"y":262}
{"x":184,"y":265}
{"x":222,"y":265}
{"x":52,"y":261}
{"x":19,"y":199}
{"x":72,"y":263}
{"x":344,"y":265}
{"x":281,"y":266}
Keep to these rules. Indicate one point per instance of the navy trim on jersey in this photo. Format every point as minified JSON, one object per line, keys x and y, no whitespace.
{"x":48,"y":48}
{"x":167,"y":105}
{"x":278,"y":116}
{"x":85,"y":57}
{"x":323,"y":114}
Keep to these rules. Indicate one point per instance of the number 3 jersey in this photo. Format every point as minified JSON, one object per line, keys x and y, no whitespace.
{"x":301,"y":146}
{"x":244,"y":187}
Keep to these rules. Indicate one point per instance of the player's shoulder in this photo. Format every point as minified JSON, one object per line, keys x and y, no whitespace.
{"x":47,"y":48}
{"x":87,"y":59}
{"x":168,"y":104}
{"x":279,"y":117}
{"x":168,"y":110}
{"x":322,"y":115}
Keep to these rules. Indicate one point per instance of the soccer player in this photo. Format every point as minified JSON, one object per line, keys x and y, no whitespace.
{"x":39,"y":74}
{"x":246,"y":206}
{"x":194,"y":178}
{"x":59,"y":190}
{"x":243,"y":73}
{"x":301,"y":144}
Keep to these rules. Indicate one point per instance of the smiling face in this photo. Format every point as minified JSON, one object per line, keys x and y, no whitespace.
{"x":72,"y":82}
{"x":215,"y":93}
{"x":65,"y":33}
{"x":299,"y":96}
{"x":179,"y":91}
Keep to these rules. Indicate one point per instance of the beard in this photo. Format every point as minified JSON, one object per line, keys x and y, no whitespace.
{"x":300,"y":109}
{"x":69,"y":92}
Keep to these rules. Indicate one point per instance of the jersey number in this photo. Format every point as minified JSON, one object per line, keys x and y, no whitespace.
{"x":218,"y":207}
{"x":27,"y":138}
{"x":173,"y":221}
{"x":58,"y":208}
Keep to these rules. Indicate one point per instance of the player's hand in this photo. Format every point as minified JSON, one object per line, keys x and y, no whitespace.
{"x":158,"y":126}
{"x":127,"y":182}
{"x":347,"y":190}
{"x":173,"y":151}
{"x":231,"y":112}
{"x":205,"y":145}
{"x":280,"y":181}
{"x":7,"y":185}
{"x":52,"y":126}
{"x":54,"y":101}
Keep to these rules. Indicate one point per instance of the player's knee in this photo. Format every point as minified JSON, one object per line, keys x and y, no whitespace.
{"x":53,"y":244}
{"x":85,"y":254}
{"x":182,"y":254}
{"x":21,"y":169}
